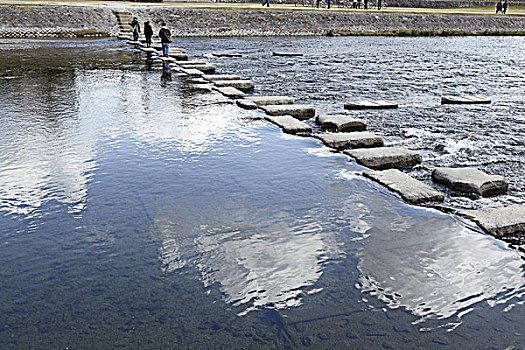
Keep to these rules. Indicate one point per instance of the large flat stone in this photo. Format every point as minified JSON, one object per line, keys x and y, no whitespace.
{"x":271,"y":100}
{"x":296,"y":111}
{"x":289,"y":124}
{"x":192,"y":72}
{"x":148,"y":50}
{"x":471,"y":180}
{"x":358,"y":139}
{"x":463,"y":100}
{"x":190,"y":63}
{"x":276,"y":53}
{"x":219,"y":77}
{"x":179,"y":56}
{"x":136,"y":43}
{"x":205,"y":68}
{"x":230,"y":55}
{"x":367,"y":104}
{"x":410,"y":189}
{"x":230,"y":92}
{"x":240,"y":84}
{"x":499,"y":222}
{"x":385,"y":157}
{"x":341,"y":122}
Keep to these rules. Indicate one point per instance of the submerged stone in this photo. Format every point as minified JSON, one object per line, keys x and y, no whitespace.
{"x":366,"y":104}
{"x":296,"y":111}
{"x":463,"y":100}
{"x":410,"y":189}
{"x":358,"y":139}
{"x":341,"y":122}
{"x":499,"y":222}
{"x":289,"y":124}
{"x":471,"y":180}
{"x":230,"y":92}
{"x":240,"y":84}
{"x":218,"y":77}
{"x":385,"y":157}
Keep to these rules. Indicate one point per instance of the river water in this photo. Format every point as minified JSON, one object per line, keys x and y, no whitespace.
{"x":139,"y":212}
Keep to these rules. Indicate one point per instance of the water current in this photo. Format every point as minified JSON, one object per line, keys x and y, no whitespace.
{"x":139,"y":212}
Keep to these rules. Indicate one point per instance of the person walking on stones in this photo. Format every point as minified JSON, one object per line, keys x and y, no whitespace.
{"x":165,"y":39}
{"x":266,"y":2}
{"x":499,"y":7}
{"x":148,"y":33}
{"x":504,"y":8}
{"x":135,"y":28}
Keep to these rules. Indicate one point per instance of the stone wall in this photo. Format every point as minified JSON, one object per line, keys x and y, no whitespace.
{"x":19,"y":21}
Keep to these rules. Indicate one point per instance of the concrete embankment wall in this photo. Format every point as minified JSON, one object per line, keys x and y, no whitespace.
{"x":32,"y":21}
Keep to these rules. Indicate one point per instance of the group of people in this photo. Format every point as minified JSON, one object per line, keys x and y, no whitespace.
{"x":501,"y":7}
{"x":164,"y":34}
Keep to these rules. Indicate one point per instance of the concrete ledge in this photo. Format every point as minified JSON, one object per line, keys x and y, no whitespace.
{"x":410,"y":189}
{"x":240,"y":84}
{"x":365,"y":104}
{"x":218,"y":77}
{"x":340,"y":122}
{"x":358,"y":139}
{"x":463,"y":100}
{"x":385,"y":157}
{"x":471,"y":180}
{"x":230,"y":92}
{"x":499,"y":222}
{"x":289,"y":124}
{"x":296,"y":111}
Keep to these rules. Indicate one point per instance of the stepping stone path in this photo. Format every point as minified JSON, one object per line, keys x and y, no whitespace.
{"x":340,"y":122}
{"x":218,"y":77}
{"x":231,"y":92}
{"x":297,"y":111}
{"x":287,"y":54}
{"x":358,"y":139}
{"x":471,"y":180}
{"x":378,"y":104}
{"x":254,"y":102}
{"x":385,"y":157}
{"x":240,"y":84}
{"x":499,"y":222}
{"x":463,"y":100}
{"x":289,"y":124}
{"x":410,"y":189}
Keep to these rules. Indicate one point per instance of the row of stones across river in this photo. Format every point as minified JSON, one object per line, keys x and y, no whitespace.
{"x":348,"y":134}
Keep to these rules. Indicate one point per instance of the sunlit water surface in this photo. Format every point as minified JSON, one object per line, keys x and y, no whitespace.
{"x":138,"y":212}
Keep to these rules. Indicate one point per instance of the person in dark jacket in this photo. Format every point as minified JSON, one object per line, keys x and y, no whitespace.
{"x":148,"y":33}
{"x":499,"y":7}
{"x":504,"y":7}
{"x":135,"y":27}
{"x":165,"y":38}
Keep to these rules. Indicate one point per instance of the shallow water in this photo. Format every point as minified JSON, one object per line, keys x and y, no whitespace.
{"x":137,"y":212}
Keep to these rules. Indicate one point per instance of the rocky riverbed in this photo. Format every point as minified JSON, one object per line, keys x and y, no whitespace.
{"x":44,"y":21}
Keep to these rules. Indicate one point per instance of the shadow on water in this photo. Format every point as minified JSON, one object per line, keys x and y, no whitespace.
{"x":138,"y":212}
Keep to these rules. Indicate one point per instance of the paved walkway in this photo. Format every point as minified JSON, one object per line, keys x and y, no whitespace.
{"x":512,"y":11}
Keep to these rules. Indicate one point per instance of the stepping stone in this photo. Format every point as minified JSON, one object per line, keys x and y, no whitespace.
{"x":240,"y":84}
{"x":463,"y":100}
{"x":358,"y":139}
{"x":253,"y":102}
{"x":199,"y":80}
{"x":471,"y":180}
{"x":289,"y":124}
{"x":167,"y":59}
{"x":136,"y":43}
{"x":296,"y":111}
{"x":230,"y":92}
{"x":341,"y":122}
{"x":205,"y":68}
{"x":365,"y":104}
{"x":179,"y":56}
{"x":125,"y":37}
{"x":216,"y":54}
{"x":202,"y":87}
{"x":499,"y":222}
{"x":410,"y":189}
{"x":385,"y":157}
{"x":287,"y":54}
{"x":216,"y":77}
{"x":149,"y":50}
{"x":190,"y":63}
{"x":192,"y":72}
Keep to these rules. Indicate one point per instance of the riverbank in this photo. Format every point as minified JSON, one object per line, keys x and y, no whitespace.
{"x":32,"y":19}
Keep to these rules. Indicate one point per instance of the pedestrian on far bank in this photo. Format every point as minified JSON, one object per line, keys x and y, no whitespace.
{"x":499,"y":7}
{"x":266,"y":2}
{"x":148,"y":33}
{"x":135,"y":28}
{"x":165,"y":39}
{"x":504,"y":8}
{"x":379,"y":4}
{"x":366,"y":4}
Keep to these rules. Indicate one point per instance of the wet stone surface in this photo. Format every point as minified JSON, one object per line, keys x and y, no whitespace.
{"x":289,"y":124}
{"x":471,"y":180}
{"x":341,"y":122}
{"x":344,"y":140}
{"x":385,"y":157}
